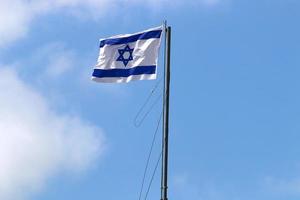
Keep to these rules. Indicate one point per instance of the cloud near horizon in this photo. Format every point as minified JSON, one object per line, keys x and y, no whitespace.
{"x":37,"y":143}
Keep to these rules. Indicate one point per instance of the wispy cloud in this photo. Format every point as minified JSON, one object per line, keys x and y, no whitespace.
{"x":37,"y":143}
{"x":282,"y":186}
{"x":16,"y":16}
{"x":55,"y":58}
{"x":186,"y":188}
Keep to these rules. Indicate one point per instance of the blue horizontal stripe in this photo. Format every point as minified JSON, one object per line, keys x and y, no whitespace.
{"x":132,"y":38}
{"x":139,"y":70}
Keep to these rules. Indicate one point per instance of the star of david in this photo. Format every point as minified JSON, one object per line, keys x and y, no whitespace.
{"x":129,"y":56}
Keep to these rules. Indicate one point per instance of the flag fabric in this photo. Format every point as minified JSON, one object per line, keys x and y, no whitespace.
{"x":128,"y":57}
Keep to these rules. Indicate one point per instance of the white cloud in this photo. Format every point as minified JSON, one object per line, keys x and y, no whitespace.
{"x":14,"y":20}
{"x":36,"y":143}
{"x":60,"y":64}
{"x":55,"y":58}
{"x":16,"y":16}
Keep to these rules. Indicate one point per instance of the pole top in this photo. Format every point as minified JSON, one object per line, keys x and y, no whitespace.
{"x":165,"y":25}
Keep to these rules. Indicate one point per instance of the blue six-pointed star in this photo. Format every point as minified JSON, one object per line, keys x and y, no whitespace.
{"x":121,"y":55}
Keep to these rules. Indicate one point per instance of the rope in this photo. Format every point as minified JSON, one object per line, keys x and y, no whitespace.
{"x":149,"y":156}
{"x":154,"y":172}
{"x":139,"y":123}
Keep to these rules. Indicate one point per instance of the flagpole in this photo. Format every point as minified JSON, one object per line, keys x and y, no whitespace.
{"x":165,"y":142}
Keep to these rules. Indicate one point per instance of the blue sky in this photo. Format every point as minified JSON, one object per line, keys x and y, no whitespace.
{"x":235,"y":110}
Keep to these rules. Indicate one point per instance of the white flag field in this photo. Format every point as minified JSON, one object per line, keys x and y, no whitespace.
{"x":128,"y":57}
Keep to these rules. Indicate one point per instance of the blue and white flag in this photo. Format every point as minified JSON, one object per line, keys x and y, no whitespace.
{"x":128,"y":57}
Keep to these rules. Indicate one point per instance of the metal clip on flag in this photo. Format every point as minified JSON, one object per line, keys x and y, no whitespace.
{"x":128,"y":57}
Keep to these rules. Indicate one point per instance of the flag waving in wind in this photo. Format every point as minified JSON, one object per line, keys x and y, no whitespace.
{"x":128,"y":57}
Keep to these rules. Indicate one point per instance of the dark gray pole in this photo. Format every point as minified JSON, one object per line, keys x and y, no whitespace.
{"x":164,"y":177}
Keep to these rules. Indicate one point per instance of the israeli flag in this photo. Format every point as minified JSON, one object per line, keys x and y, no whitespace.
{"x":128,"y":57}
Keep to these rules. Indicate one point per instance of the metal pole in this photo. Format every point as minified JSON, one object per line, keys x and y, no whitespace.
{"x":165,"y":147}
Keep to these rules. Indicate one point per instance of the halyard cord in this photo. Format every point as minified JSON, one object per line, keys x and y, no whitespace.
{"x":148,"y":160}
{"x":153,"y":175}
{"x":139,"y":123}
